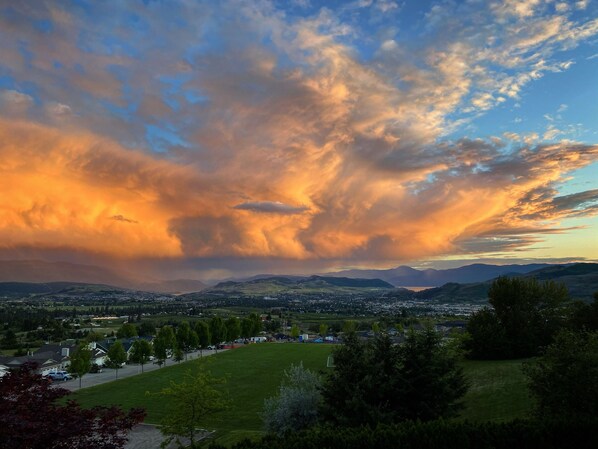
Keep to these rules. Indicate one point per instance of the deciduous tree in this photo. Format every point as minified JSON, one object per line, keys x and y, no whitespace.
{"x":349,"y":326}
{"x":80,"y":362}
{"x":186,"y":337}
{"x":127,"y":330}
{"x":295,"y":331}
{"x":526,"y":315}
{"x":256,"y":326}
{"x":191,"y":400}
{"x":217,"y":330}
{"x":178,"y":354}
{"x":233,"y":328}
{"x":164,"y":342}
{"x":141,"y":352}
{"x":116,"y":356}
{"x":34,"y":416}
{"x":203,"y":334}
{"x":146,"y":329}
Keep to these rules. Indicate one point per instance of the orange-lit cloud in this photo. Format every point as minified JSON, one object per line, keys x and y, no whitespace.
{"x":81,"y":191}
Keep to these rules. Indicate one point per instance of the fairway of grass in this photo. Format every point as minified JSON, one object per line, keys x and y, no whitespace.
{"x":497,"y":390}
{"x":254,"y":373}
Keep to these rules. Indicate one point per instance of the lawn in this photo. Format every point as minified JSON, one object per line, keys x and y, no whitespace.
{"x":497,"y":388}
{"x":254,"y":373}
{"x":497,"y":391}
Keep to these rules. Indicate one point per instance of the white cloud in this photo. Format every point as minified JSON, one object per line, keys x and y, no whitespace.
{"x":551,"y":133}
{"x":582,"y":4}
{"x":59,"y":109}
{"x":561,"y":7}
{"x":14,"y":97}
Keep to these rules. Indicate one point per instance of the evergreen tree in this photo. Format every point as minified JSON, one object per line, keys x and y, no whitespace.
{"x":378,"y":382}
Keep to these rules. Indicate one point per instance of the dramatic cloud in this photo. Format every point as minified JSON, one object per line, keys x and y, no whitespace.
{"x":221,"y":130}
{"x":271,"y":207}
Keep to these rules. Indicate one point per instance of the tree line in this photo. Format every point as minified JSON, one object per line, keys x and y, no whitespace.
{"x":525,"y":316}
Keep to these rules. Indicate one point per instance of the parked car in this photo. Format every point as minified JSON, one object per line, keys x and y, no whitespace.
{"x":95,"y":368}
{"x":211,"y":347}
{"x":59,"y":375}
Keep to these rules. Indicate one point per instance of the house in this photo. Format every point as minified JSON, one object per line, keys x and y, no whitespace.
{"x":3,"y":370}
{"x":98,"y":354}
{"x":449,"y":327}
{"x":45,"y":361}
{"x":127,"y":343}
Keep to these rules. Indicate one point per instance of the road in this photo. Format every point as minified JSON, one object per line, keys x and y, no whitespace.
{"x":109,"y":375}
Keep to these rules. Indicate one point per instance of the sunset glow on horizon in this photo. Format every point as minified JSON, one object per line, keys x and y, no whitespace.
{"x":212,"y":139}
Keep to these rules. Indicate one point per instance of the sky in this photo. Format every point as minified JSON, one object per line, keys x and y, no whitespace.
{"x":215,"y":139}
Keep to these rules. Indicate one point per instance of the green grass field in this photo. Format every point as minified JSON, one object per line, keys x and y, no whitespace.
{"x":254,"y":373}
{"x":497,"y":388}
{"x":497,"y":391}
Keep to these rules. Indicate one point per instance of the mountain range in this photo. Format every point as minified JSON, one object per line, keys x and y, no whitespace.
{"x":466,"y":283}
{"x":405,"y":276}
{"x":37,"y":271}
{"x":297,"y":284}
{"x":580,"y":279}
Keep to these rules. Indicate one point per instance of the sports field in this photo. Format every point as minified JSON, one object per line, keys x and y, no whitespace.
{"x":497,"y":388}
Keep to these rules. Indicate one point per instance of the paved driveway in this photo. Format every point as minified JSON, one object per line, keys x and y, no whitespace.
{"x":109,"y":375}
{"x":148,"y":436}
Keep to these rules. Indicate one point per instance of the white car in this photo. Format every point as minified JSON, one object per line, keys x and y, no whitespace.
{"x":59,"y":375}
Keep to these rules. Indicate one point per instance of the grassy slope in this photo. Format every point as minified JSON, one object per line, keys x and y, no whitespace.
{"x":497,"y":388}
{"x":497,"y":391}
{"x":254,"y":373}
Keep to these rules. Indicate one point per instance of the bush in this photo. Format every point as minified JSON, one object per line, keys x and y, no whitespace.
{"x":518,"y":434}
{"x":564,"y":381}
{"x":296,"y":406}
